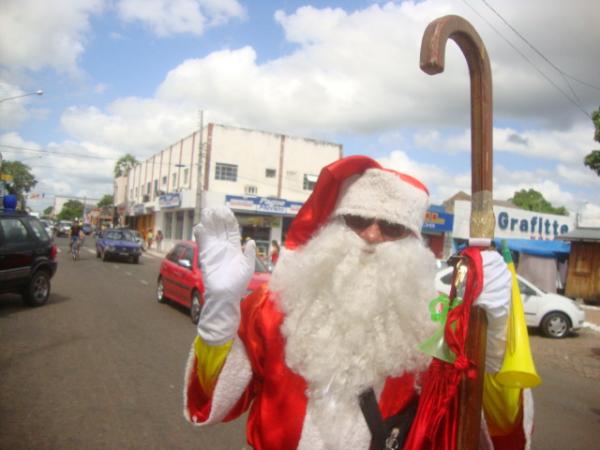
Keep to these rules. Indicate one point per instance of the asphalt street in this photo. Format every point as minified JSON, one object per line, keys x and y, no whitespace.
{"x":101,"y":367}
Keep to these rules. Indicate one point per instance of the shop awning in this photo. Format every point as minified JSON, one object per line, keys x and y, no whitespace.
{"x":544,"y":248}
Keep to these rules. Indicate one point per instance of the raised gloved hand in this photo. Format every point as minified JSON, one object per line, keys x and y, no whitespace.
{"x":226,"y":271}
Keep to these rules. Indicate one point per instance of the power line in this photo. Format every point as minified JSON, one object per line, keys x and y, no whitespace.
{"x":558,"y":69}
{"x":546,"y":77}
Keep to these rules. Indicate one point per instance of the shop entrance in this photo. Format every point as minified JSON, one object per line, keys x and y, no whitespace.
{"x":261,"y":236}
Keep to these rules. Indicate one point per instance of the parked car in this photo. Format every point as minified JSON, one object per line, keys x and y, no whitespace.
{"x":137,"y":237}
{"x":180,"y":278}
{"x":63,"y":227}
{"x":27,"y":257}
{"x":48,"y":226}
{"x":87,"y":229}
{"x":555,"y":315}
{"x":118,"y":243}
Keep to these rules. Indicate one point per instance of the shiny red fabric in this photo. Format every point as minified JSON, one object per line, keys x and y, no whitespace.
{"x":317,"y":209}
{"x":276,"y":395}
{"x":435,"y":425}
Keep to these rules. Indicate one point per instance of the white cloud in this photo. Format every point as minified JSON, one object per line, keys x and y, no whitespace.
{"x":440,"y":183}
{"x":589,"y":215}
{"x":38,"y":34}
{"x":132,"y":125}
{"x":168,"y":17}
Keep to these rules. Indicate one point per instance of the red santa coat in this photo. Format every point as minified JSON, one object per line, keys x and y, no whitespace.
{"x":255,"y":376}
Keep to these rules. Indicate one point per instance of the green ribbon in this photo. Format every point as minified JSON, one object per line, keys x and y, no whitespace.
{"x":440,"y":306}
{"x":436,"y":345}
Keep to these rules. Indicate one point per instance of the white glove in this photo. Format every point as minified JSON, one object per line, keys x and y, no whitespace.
{"x":226,"y":271}
{"x":495,"y":299}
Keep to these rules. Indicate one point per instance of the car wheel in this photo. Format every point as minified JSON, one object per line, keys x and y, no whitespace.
{"x":555,"y":325}
{"x":38,"y":291}
{"x":160,"y":291}
{"x":196,"y":307}
{"x":136,"y":259}
{"x":97,"y":253}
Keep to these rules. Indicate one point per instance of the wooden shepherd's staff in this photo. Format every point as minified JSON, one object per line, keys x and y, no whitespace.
{"x":482,"y":222}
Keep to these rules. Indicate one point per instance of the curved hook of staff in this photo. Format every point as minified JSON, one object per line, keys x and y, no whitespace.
{"x":433,"y":48}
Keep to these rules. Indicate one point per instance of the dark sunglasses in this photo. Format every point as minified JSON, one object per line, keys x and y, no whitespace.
{"x":388,"y":229}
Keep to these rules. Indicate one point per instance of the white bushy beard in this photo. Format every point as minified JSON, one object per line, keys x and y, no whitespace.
{"x":354,"y":315}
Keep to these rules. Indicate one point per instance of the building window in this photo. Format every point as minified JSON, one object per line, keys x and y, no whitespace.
{"x":155,"y":186}
{"x":250,"y":190}
{"x":270,"y":173}
{"x":148,"y":187}
{"x":164,"y":180}
{"x":131,"y":193}
{"x":185,"y":175}
{"x":136,"y":192}
{"x":309,"y":182}
{"x":226,"y":172}
{"x":174,"y":180}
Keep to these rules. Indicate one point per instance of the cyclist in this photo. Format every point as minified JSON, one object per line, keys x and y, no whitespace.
{"x":75,"y":235}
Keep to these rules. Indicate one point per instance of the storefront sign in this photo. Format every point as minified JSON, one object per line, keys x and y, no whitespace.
{"x":138,"y":209}
{"x":438,"y":222}
{"x":172,"y":200}
{"x":514,"y":223}
{"x":536,"y":225}
{"x":265,"y":205}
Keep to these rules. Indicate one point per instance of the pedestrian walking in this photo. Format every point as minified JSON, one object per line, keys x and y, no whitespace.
{"x":149,"y":238}
{"x":159,"y":239}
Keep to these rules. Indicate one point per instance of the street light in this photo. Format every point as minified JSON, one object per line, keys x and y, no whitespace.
{"x":38,"y":92}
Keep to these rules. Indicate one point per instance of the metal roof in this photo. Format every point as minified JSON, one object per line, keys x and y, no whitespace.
{"x":582,"y":234}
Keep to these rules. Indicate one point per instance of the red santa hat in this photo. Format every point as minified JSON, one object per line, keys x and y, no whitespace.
{"x":358,"y":185}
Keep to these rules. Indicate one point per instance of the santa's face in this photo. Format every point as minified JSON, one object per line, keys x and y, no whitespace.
{"x":354,"y":311}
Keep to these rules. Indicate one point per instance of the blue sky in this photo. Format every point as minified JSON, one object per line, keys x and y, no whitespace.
{"x":130,"y":76}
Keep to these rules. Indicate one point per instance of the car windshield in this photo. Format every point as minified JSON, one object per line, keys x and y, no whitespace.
{"x":119,"y":236}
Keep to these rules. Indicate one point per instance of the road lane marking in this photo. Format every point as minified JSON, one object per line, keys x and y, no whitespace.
{"x":89,"y":250}
{"x":144,"y":282}
{"x":116,"y":266}
{"x":128,"y":273}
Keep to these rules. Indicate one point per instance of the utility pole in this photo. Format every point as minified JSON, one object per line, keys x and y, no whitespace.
{"x":198,"y":206}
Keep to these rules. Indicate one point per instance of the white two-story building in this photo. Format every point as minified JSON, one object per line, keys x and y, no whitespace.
{"x":263,"y":177}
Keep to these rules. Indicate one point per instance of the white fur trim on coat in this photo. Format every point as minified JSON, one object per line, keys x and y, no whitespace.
{"x":383,"y":195}
{"x":233,"y":380}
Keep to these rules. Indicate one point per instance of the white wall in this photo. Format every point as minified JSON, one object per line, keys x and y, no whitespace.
{"x":251,"y":151}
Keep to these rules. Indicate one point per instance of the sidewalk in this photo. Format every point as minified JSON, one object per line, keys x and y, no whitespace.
{"x":155,"y":253}
{"x":592,"y":317}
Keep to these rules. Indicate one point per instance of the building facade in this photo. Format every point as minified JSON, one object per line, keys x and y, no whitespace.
{"x":263,"y":177}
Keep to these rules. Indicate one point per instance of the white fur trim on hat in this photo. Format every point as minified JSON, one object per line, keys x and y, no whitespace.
{"x":383,"y":194}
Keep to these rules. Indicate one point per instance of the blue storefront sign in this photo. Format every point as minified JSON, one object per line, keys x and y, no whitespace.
{"x":275,"y":206}
{"x":172,"y":200}
{"x":437,"y":221}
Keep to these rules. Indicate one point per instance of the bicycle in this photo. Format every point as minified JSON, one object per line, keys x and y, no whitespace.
{"x":75,"y":249}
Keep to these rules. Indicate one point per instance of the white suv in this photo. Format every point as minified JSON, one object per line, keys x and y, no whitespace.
{"x":554,"y":314}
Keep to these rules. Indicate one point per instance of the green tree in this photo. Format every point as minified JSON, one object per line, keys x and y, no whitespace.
{"x":48,"y":210}
{"x":106,"y":200}
{"x":533,"y":200}
{"x":592,"y":160}
{"x":71,"y":210}
{"x":124,"y":164}
{"x":22,"y":179}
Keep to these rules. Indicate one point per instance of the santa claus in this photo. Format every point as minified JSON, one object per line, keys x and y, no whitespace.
{"x":343,"y":315}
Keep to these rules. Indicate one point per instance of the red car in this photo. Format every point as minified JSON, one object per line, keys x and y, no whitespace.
{"x":180,"y":278}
